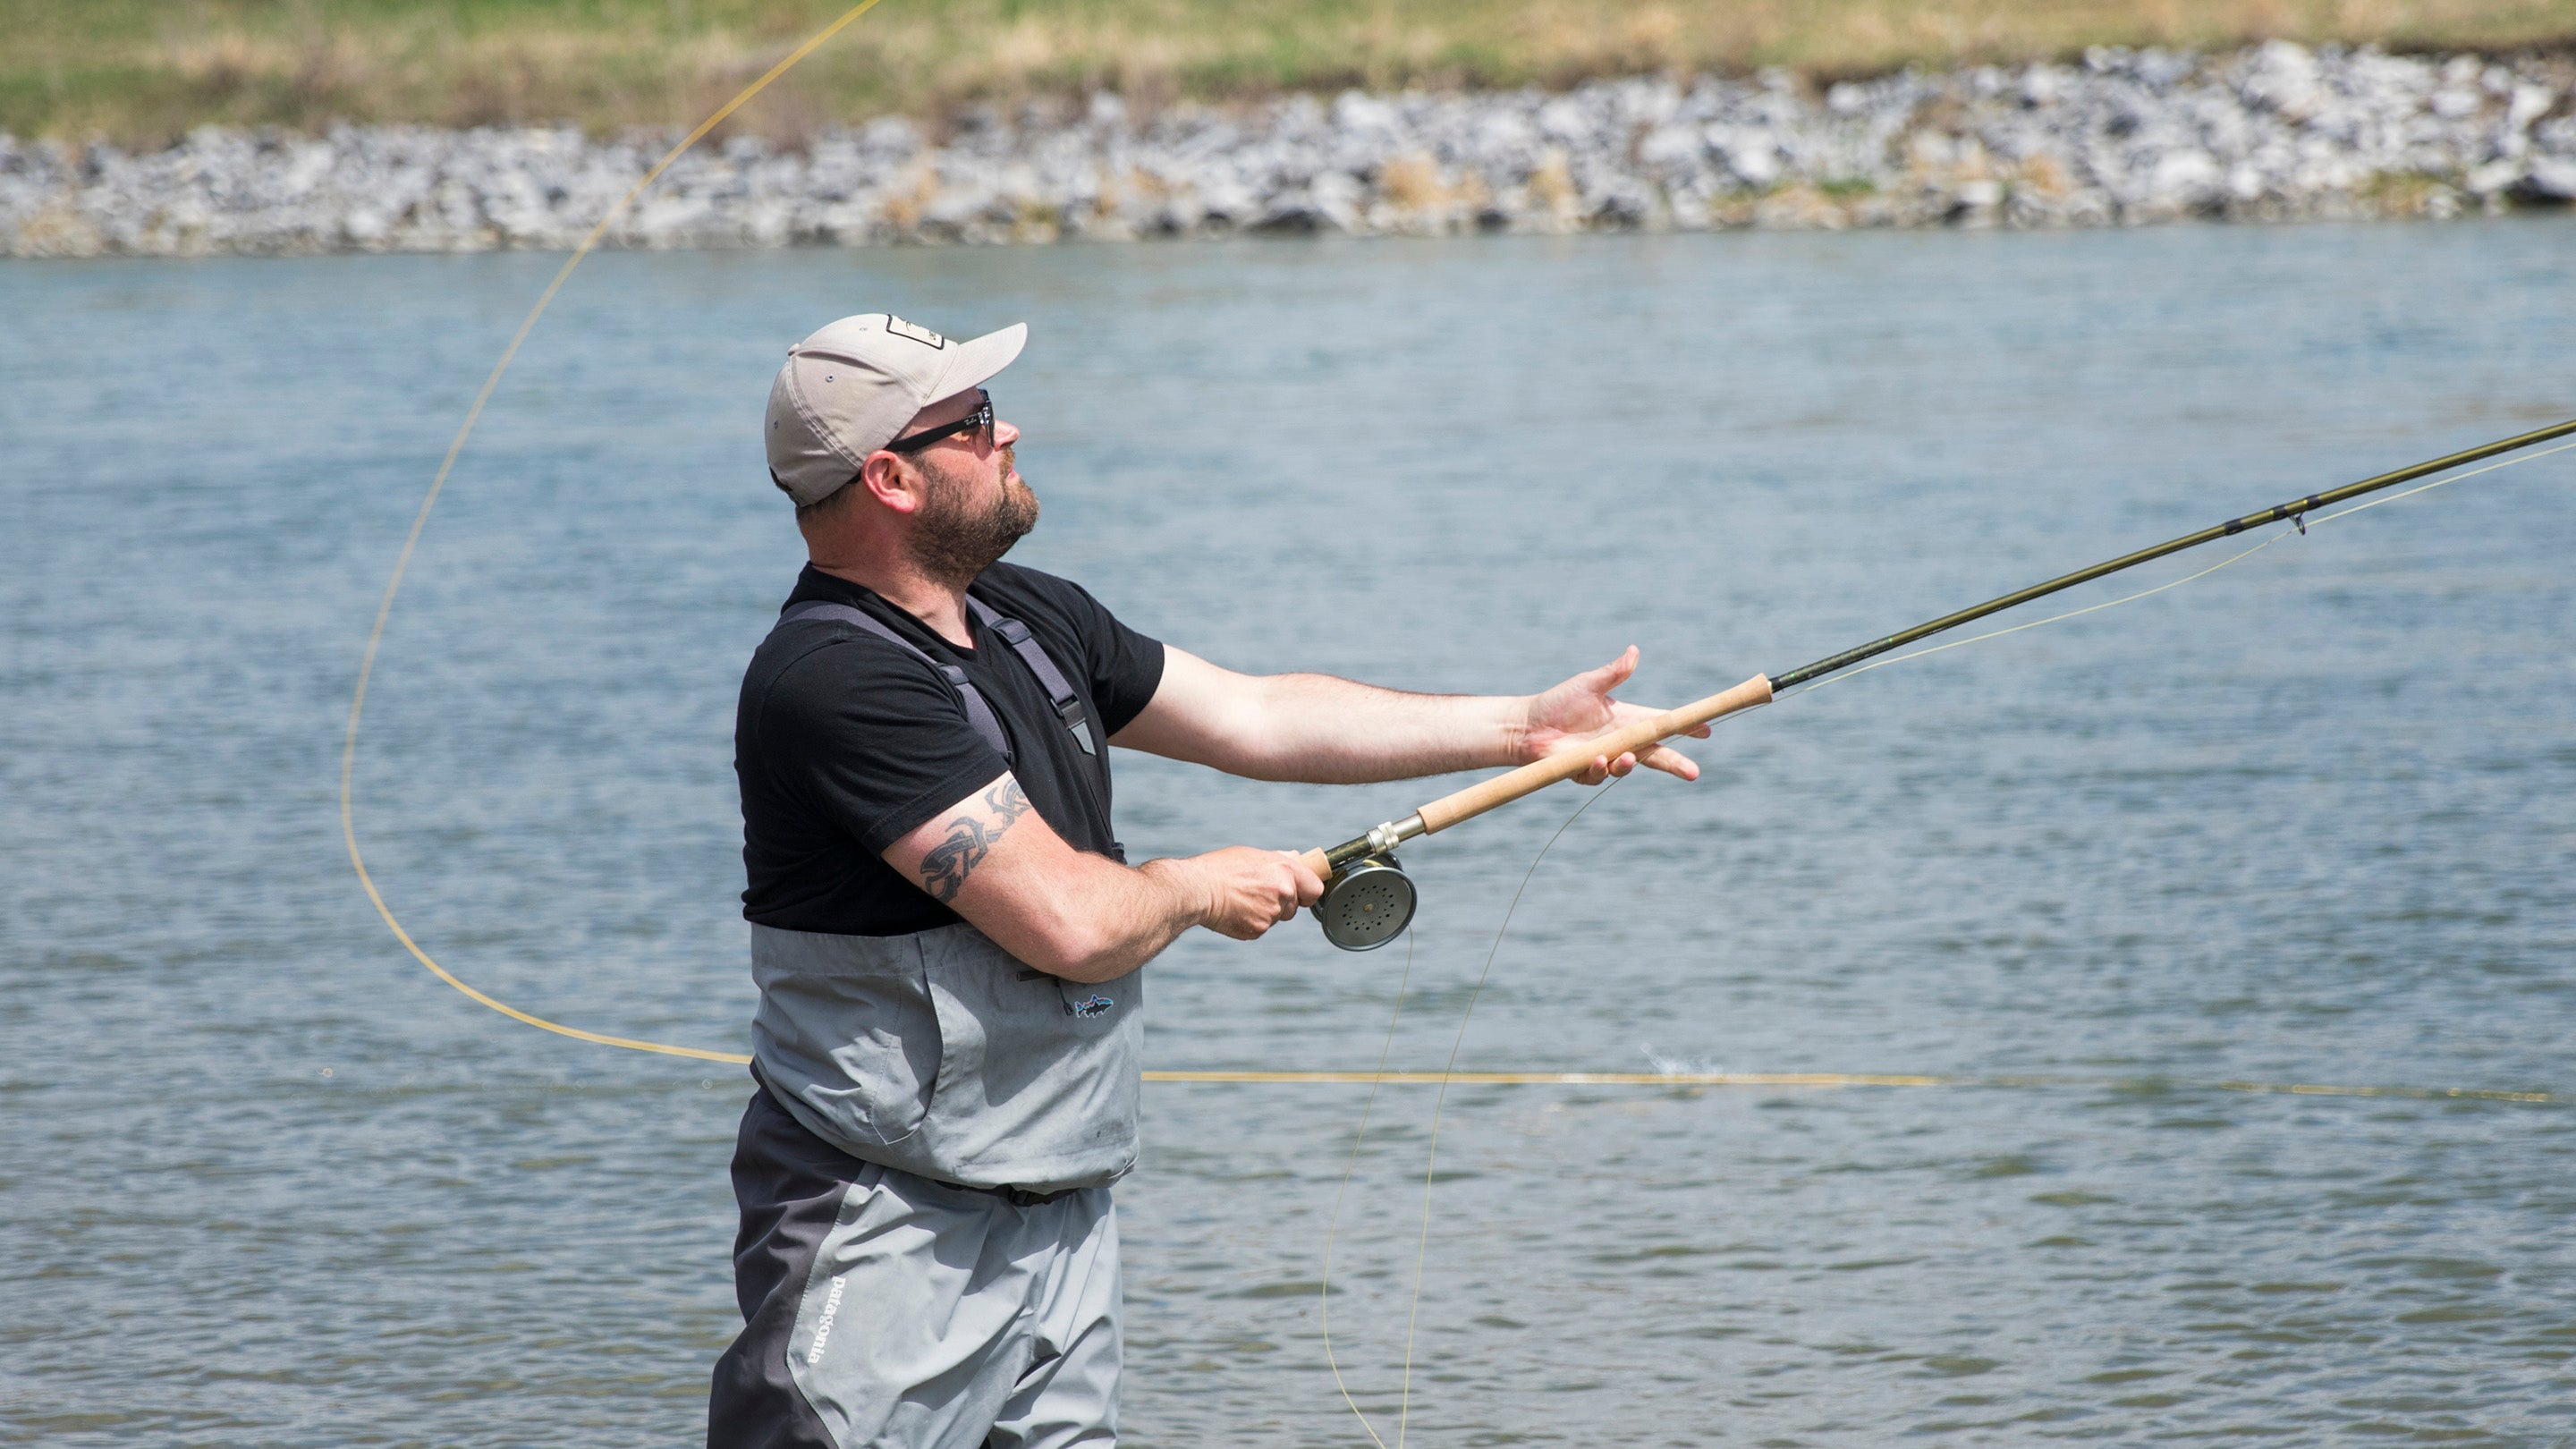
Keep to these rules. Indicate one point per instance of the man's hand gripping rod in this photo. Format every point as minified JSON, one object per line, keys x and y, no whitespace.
{"x":1368,"y":900}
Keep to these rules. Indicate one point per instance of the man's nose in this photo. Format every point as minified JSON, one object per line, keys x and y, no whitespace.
{"x":1005,"y":434}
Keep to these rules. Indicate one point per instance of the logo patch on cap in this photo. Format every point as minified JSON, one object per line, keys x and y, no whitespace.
{"x":898,"y":327}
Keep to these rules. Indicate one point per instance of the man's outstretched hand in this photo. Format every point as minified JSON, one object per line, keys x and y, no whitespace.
{"x":1562,"y":717}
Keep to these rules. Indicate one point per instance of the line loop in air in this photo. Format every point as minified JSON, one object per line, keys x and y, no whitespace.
{"x":420,"y":521}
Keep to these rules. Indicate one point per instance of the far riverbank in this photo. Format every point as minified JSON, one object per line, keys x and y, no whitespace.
{"x":2276,"y":132}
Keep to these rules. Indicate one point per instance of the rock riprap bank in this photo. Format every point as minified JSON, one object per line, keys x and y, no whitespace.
{"x":2272,"y":133}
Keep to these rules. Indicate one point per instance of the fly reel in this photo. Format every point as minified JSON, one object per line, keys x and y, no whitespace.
{"x":1366,"y":903}
{"x":1368,"y":899}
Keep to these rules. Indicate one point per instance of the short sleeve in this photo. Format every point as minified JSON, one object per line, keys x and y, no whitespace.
{"x":1126,"y":666}
{"x":875,"y":739}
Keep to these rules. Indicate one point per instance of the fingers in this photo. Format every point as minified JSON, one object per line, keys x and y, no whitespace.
{"x":1310,"y":886}
{"x":1671,"y":761}
{"x":1604,"y":679}
{"x":1580,"y":706}
{"x":1603,"y":768}
{"x":1267,"y":887}
{"x":1256,"y":890}
{"x":1296,"y":886}
{"x":1611,"y":675}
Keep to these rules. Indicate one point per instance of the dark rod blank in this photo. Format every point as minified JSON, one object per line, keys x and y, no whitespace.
{"x":2292,"y":509}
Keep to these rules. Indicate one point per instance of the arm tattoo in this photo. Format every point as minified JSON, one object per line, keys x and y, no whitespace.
{"x":945,"y":868}
{"x":1008,"y":801}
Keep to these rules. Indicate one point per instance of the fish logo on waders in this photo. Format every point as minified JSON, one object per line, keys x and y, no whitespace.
{"x":1092,"y":1005}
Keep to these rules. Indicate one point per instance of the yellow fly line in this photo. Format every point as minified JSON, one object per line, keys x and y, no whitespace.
{"x":1833,"y":1079}
{"x":411,"y":541}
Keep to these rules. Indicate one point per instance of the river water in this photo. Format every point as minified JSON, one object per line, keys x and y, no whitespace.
{"x":264,"y":1181}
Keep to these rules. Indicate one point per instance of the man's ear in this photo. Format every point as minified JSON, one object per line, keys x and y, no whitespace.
{"x":891,"y":482}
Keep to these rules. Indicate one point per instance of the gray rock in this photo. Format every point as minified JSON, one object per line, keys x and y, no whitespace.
{"x":2552,"y":177}
{"x":2275,"y":132}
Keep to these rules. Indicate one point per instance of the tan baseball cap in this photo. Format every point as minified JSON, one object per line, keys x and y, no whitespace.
{"x":849,"y":389}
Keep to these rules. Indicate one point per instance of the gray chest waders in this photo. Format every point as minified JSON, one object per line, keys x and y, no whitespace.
{"x":939,"y":1053}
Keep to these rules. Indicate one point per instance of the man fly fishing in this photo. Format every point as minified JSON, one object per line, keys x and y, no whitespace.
{"x":945,"y":932}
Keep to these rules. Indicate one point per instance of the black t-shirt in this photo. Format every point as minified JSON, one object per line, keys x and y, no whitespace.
{"x":845,"y":744}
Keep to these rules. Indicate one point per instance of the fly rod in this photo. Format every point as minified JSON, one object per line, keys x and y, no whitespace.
{"x":1368,"y":899}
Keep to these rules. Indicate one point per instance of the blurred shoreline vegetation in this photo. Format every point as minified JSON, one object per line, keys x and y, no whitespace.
{"x":141,"y":72}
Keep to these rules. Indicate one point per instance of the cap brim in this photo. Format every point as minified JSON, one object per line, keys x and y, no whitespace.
{"x":977,"y":361}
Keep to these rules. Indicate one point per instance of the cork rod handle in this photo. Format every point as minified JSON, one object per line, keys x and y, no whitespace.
{"x":1537,"y":775}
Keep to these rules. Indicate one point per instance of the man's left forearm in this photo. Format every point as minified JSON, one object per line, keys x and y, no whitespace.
{"x":1323,"y":730}
{"x":1317,"y":729}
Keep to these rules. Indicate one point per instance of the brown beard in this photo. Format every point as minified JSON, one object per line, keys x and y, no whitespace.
{"x":952,"y":540}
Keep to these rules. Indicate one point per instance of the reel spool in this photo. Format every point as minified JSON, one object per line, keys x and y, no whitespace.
{"x":1366,"y":903}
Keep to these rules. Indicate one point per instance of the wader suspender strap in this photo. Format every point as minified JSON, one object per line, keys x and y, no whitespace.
{"x":978,"y":713}
{"x":1068,"y":705}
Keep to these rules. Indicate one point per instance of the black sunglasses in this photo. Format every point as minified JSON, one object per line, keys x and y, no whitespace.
{"x":979,"y":422}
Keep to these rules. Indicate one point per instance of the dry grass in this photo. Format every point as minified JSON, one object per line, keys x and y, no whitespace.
{"x":142,"y":70}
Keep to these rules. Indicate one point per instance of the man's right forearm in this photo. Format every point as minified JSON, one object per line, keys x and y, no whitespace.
{"x":1080,"y":916}
{"x":1114,"y":919}
{"x":1111,"y":919}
